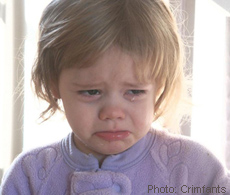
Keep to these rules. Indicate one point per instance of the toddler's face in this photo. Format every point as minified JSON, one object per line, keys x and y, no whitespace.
{"x":108,"y":109}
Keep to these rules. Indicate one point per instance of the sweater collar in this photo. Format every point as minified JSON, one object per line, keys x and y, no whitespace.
{"x":83,"y":162}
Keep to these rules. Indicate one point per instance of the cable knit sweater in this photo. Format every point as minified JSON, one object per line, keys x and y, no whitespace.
{"x":160,"y":163}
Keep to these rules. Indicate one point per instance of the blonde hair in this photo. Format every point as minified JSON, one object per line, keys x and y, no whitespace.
{"x":75,"y":32}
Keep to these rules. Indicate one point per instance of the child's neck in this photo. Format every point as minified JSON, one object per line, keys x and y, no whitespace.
{"x":100,"y":159}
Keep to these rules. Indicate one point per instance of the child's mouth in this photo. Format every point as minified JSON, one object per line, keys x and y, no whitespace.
{"x":113,"y":135}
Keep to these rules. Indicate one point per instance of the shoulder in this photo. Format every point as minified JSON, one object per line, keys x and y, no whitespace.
{"x":182,"y":146}
{"x":40,"y":161}
{"x":183,"y":159}
{"x":39,"y":156}
{"x":31,"y":167}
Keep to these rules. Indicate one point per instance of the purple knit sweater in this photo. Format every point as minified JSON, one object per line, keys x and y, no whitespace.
{"x":160,"y":163}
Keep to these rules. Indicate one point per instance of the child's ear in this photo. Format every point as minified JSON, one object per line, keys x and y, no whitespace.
{"x":55,"y":91}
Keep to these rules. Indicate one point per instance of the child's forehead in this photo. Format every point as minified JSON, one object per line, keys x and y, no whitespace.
{"x":83,"y":42}
{"x":112,"y":54}
{"x":109,"y":59}
{"x":113,"y":62}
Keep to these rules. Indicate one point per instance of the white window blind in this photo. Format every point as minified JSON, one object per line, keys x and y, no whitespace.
{"x":209,"y":124}
{"x":11,"y":85}
{"x":36,"y":133}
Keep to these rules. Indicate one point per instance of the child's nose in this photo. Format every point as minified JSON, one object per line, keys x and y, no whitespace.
{"x":111,"y":113}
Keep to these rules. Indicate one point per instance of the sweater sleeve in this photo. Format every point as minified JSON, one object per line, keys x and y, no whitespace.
{"x":221,"y":182}
{"x":189,"y":167}
{"x":15,"y":181}
{"x":206,"y":174}
{"x":29,"y":172}
{"x":209,"y":173}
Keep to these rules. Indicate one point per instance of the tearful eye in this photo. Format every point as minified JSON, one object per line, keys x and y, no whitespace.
{"x":91,"y":92}
{"x":135,"y":92}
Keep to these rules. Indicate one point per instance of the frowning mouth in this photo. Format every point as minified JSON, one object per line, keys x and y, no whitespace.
{"x":113,"y":135}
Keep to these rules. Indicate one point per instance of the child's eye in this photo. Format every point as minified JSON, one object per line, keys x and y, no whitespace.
{"x":91,"y":92}
{"x":136,"y":92}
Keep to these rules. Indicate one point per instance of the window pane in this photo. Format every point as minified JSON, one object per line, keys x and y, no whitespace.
{"x":209,"y":88}
{"x":36,"y":134}
{"x":2,"y":78}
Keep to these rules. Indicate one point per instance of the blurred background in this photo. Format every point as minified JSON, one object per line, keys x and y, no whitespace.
{"x":205,"y":25}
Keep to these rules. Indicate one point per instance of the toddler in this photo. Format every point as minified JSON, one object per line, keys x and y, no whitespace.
{"x":115,"y":66}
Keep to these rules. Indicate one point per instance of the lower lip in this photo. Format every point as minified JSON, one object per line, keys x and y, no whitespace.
{"x":113,"y":136}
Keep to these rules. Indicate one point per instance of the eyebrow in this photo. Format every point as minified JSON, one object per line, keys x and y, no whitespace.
{"x":135,"y":85}
{"x":87,"y":85}
{"x":95,"y":85}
